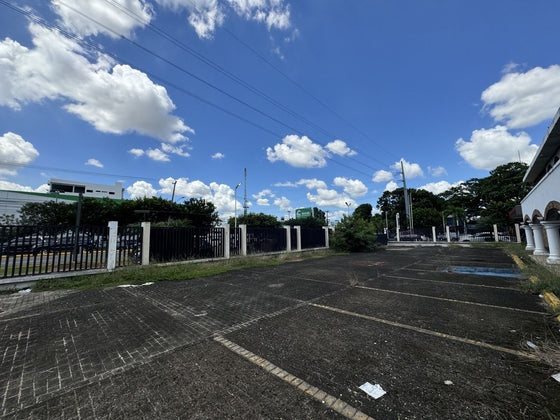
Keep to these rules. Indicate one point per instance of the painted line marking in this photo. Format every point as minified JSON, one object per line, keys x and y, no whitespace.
{"x":519,"y":263}
{"x":485,"y":305}
{"x":328,"y":400}
{"x":551,"y":299}
{"x":430,"y":332}
{"x":449,"y":282}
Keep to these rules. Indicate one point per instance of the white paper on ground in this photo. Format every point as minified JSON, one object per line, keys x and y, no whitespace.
{"x":374,"y":391}
{"x":557,"y":377}
{"x":532,"y":345}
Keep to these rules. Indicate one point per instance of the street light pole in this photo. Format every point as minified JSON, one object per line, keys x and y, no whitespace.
{"x":235,"y":204}
{"x":347,"y":205}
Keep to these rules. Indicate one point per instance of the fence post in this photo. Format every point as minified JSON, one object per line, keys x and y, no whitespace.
{"x":146,"y":228}
{"x":496,"y":233}
{"x":434,"y":233}
{"x":447,"y":234}
{"x":298,"y":232}
{"x":326,"y":228}
{"x":517,"y":233}
{"x":112,"y":246}
{"x":288,"y":238}
{"x":227,"y":239}
{"x":243,"y":240}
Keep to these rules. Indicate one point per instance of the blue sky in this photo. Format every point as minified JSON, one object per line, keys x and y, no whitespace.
{"x":319,"y":99}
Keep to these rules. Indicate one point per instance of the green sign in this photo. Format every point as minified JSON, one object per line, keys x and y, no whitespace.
{"x":304,"y":213}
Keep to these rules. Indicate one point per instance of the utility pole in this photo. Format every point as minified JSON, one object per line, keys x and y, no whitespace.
{"x":406,"y":200}
{"x":327,"y":217}
{"x":173,"y":194}
{"x":245,"y":205}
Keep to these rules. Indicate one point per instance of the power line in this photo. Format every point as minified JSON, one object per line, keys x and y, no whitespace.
{"x":164,"y":81}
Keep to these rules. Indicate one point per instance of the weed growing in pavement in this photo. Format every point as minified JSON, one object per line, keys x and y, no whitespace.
{"x":168,"y":272}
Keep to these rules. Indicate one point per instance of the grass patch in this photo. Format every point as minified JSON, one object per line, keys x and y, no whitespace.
{"x":169,"y":272}
{"x":545,"y":280}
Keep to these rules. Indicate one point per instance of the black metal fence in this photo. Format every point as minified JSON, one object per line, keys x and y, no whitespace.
{"x":312,"y":238}
{"x":129,"y":245}
{"x":261,"y":240}
{"x":32,"y":250}
{"x":176,"y":243}
{"x":235,"y":241}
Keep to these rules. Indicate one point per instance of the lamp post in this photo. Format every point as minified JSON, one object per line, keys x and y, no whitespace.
{"x":347,"y":205}
{"x":235,"y":204}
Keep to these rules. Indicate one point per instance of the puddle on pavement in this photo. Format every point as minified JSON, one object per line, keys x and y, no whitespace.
{"x":484,"y":271}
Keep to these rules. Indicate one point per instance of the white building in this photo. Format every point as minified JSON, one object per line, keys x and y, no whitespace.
{"x":541,"y":207}
{"x":61,"y":191}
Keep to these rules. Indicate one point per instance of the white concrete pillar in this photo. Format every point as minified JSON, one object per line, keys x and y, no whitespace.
{"x":496,"y":239}
{"x":553,"y":235}
{"x":398,"y":234}
{"x":529,"y":237}
{"x":112,"y":246}
{"x":227,"y":241}
{"x":434,"y":233}
{"x":539,"y":239}
{"x":326,"y":228}
{"x":298,"y":231}
{"x":145,"y":243}
{"x":517,"y":233}
{"x":288,"y":238}
{"x":243,"y":238}
{"x":447,"y":233}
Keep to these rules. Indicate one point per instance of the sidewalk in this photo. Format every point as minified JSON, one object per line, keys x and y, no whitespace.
{"x":291,"y":341}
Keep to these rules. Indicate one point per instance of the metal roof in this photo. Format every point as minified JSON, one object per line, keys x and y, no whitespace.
{"x":546,"y":151}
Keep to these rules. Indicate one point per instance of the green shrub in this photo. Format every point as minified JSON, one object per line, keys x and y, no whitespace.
{"x":354,"y":234}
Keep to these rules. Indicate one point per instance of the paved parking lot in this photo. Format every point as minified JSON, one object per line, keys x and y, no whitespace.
{"x":294,"y":341}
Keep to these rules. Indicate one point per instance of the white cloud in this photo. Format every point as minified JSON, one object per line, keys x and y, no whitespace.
{"x":437,"y":171}
{"x":438,"y":187}
{"x":141,"y":189}
{"x":274,"y":13}
{"x":12,"y":186}
{"x":263,"y":197}
{"x":524,"y":99}
{"x":411,"y":170}
{"x":391,"y":186}
{"x":218,"y":155}
{"x":157,"y":155}
{"x":340,"y":148}
{"x":94,"y":162}
{"x":283,"y":203}
{"x":299,"y":152}
{"x":120,"y":20}
{"x":382,"y":176}
{"x":495,"y":146}
{"x":113,"y":98}
{"x":176,"y":150}
{"x":136,"y":152}
{"x":352,"y":187}
{"x":312,"y":184}
{"x":285,"y":184}
{"x":15,"y":152}
{"x":330,"y":198}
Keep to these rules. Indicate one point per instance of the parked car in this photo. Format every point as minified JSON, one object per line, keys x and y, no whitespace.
{"x":26,"y":244}
{"x":68,"y":242}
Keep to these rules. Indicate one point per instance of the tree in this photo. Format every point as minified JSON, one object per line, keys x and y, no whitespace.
{"x":426,"y":207}
{"x":200,"y":212}
{"x":255,"y":220}
{"x":363,"y":211}
{"x":48,"y":213}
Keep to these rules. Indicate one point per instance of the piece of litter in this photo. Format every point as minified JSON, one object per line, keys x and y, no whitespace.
{"x":374,"y":391}
{"x":532,"y":345}
{"x":557,"y":377}
{"x":25,"y":291}
{"x":448,"y":382}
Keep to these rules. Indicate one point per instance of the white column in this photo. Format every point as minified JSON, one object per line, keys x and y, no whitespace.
{"x":496,"y":239}
{"x":145,"y":243}
{"x":326,"y":228}
{"x":398,"y":234}
{"x":112,"y":246}
{"x":243,"y":240}
{"x":298,"y":231}
{"x":227,"y":241}
{"x":529,"y":236}
{"x":434,"y":233}
{"x":517,"y":233}
{"x":288,"y":238}
{"x":539,"y":239}
{"x":447,"y":233}
{"x":553,"y":236}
